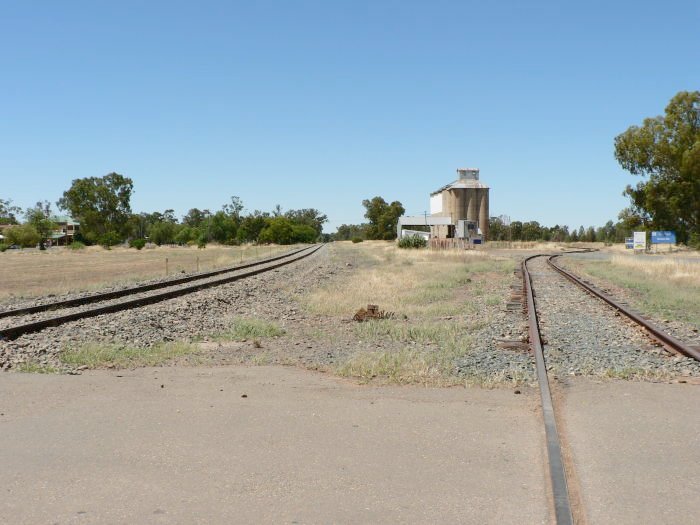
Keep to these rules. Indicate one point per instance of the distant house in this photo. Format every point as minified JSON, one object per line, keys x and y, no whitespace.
{"x":66,"y":228}
{"x":2,"y":227}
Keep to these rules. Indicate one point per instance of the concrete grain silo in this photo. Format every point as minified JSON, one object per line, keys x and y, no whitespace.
{"x":466,"y":199}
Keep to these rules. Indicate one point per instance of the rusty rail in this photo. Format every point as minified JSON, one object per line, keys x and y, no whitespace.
{"x":36,"y":326}
{"x":654,"y":330}
{"x":104,"y":296}
{"x":557,"y":474}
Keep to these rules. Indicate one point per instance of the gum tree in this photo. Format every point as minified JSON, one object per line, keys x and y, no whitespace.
{"x":665,"y":152}
{"x":102,"y":205}
{"x":8,"y":212}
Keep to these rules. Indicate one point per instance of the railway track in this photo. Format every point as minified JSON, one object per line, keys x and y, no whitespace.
{"x":557,"y":471}
{"x":24,"y":320}
{"x":652,"y":329}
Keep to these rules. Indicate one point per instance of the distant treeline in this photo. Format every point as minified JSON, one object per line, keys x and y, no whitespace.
{"x":102,"y":206}
{"x":516,"y":231}
{"x":534,"y":231}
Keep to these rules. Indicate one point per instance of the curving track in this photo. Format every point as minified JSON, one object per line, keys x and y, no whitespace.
{"x":558,"y":477}
{"x":557,"y":473}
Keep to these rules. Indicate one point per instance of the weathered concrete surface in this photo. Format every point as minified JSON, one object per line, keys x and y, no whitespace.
{"x":636,"y":450}
{"x":301,"y":447}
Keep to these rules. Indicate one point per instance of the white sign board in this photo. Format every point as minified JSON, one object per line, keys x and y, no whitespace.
{"x":640,"y":240}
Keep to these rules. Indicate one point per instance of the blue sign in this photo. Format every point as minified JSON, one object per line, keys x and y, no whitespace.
{"x":663,"y":237}
{"x":629,"y":243}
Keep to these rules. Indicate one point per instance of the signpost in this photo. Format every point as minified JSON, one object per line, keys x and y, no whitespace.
{"x":660,"y":238}
{"x":629,"y":242}
{"x":640,"y":241}
{"x":663,"y":237}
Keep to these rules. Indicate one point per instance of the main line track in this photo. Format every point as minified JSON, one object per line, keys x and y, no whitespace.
{"x":165,"y":290}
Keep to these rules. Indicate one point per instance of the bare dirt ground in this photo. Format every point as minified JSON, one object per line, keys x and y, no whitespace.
{"x":182,"y":445}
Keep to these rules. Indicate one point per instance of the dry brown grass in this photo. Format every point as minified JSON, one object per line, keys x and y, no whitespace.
{"x":415,"y":283}
{"x":31,"y":273}
{"x":668,"y":287}
{"x":435,"y":297}
{"x":540,"y":246}
{"x":677,"y":269}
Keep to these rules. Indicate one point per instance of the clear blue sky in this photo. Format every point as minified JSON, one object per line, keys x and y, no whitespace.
{"x":324,"y":103}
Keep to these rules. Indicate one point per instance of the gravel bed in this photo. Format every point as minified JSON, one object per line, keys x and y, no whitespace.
{"x":38,"y":316}
{"x":584,"y":336}
{"x":195,"y":315}
{"x":496,"y":352}
{"x":683,"y":331}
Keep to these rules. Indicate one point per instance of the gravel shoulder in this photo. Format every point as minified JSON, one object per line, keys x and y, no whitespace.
{"x":300,"y":447}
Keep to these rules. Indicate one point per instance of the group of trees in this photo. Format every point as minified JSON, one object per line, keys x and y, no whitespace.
{"x":230,"y":226}
{"x":36,"y":228}
{"x":534,"y":231}
{"x":102,"y":206}
{"x":382,"y":218}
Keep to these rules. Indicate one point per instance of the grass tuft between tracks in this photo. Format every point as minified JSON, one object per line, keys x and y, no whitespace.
{"x":441,"y":301}
{"x":101,"y":355}
{"x":435,"y":345}
{"x":33,"y":367}
{"x":243,"y":328}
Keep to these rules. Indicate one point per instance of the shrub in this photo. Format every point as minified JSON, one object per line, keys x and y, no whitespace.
{"x":413,"y":241}
{"x":355,"y":240}
{"x":137,"y":243}
{"x":278,"y":230}
{"x":24,"y":235}
{"x":110,"y":239}
{"x":3,"y":247}
{"x":162,"y":233}
{"x":76,"y":245}
{"x":694,"y":241}
{"x":303,"y":233}
{"x":187,"y":235}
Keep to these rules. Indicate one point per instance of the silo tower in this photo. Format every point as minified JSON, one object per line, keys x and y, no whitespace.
{"x":466,"y":199}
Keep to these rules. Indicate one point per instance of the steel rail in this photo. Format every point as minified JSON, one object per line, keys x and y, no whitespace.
{"x":104,"y":296}
{"x":16,"y":331}
{"x":557,"y":474}
{"x":654,"y":330}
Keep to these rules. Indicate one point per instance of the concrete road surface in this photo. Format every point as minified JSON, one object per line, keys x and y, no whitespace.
{"x":183,"y":445}
{"x":636,"y":449}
